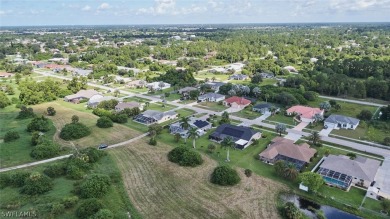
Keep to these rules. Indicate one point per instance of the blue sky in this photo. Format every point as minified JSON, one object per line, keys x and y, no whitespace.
{"x":95,"y":12}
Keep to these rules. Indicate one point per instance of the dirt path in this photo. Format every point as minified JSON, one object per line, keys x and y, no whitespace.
{"x":161,"y":189}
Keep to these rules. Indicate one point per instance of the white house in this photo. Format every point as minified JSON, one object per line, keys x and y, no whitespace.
{"x":211,"y":97}
{"x":158,"y":85}
{"x":341,"y":122}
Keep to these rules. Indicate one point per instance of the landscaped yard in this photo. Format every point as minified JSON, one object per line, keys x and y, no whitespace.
{"x":280,"y":118}
{"x":159,"y":107}
{"x":247,"y":114}
{"x":211,"y":106}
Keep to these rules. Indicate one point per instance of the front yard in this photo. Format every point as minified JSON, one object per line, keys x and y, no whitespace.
{"x":247,"y":113}
{"x":211,"y":106}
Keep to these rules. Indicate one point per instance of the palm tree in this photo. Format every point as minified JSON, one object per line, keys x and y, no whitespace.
{"x":290,"y":171}
{"x":206,"y":80}
{"x":337,"y":107}
{"x":227,"y":143}
{"x":185,"y":124}
{"x":272,"y":110}
{"x":146,"y":104}
{"x":315,"y":138}
{"x":192,"y":133}
{"x":266,"y":96}
{"x":280,"y":128}
{"x":177,"y":137}
{"x":213,"y":79}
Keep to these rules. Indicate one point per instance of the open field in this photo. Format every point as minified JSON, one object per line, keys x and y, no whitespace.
{"x":218,"y":77}
{"x":280,"y":118}
{"x":161,"y":189}
{"x":116,"y":134}
{"x":211,"y":106}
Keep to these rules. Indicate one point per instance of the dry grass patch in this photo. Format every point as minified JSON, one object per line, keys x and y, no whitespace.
{"x":116,"y":134}
{"x":161,"y":189}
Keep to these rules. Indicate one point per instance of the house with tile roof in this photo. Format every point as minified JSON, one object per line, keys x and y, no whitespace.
{"x":130,"y":105}
{"x":81,"y":95}
{"x":97,"y":98}
{"x":236,"y":102}
{"x":284,"y":149}
{"x":306,"y":113}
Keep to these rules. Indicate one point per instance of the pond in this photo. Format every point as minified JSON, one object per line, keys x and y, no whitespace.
{"x":307,"y":207}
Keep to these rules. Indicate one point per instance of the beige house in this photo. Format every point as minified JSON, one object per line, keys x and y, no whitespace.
{"x":121,"y":106}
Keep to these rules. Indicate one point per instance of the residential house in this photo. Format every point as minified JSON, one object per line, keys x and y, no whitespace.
{"x":263,"y":108}
{"x":238,"y":77}
{"x":215,"y":85}
{"x":136,"y":84}
{"x":267,"y":75}
{"x":186,"y":91}
{"x":5,"y":75}
{"x":242,"y":136}
{"x":380,"y":187}
{"x":211,"y":97}
{"x":81,"y":95}
{"x":219,"y":70}
{"x":94,"y":101}
{"x":306,"y":113}
{"x":158,"y":85}
{"x":285,"y":149}
{"x":236,"y":102}
{"x":130,"y":105}
{"x":291,"y":69}
{"x":238,"y":66}
{"x":201,"y":125}
{"x":153,"y":116}
{"x":342,"y":172}
{"x":341,"y":122}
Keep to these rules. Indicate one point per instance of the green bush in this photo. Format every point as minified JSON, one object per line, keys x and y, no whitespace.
{"x":37,"y":184}
{"x":18,"y":179}
{"x":11,"y":136}
{"x":185,"y":157}
{"x":153,"y":141}
{"x":93,"y":154}
{"x":225,"y":176}
{"x":35,"y":138}
{"x":25,"y":113}
{"x":69,"y":202}
{"x":46,"y":149}
{"x":51,"y":111}
{"x":290,"y":211}
{"x":119,"y":118}
{"x":74,"y":131}
{"x":88,"y":208}
{"x":103,"y":214}
{"x":95,"y":186}
{"x":55,"y":170}
{"x":57,"y":208}
{"x":248,"y":172}
{"x":104,"y":122}
{"x":41,"y":124}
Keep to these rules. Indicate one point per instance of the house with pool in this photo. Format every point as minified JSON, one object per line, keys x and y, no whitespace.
{"x":343,"y":172}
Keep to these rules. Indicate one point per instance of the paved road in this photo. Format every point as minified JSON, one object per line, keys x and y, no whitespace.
{"x":353,"y":101}
{"x":68,"y":155}
{"x":257,"y":121}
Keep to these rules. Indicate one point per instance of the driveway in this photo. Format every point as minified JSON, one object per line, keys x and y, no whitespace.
{"x":264,"y":116}
{"x":233,"y":110}
{"x":301,"y":126}
{"x":325,"y":132}
{"x":293,"y":136}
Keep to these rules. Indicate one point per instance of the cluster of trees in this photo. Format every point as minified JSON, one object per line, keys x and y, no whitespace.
{"x":4,"y":100}
{"x":177,"y":77}
{"x":32,"y":92}
{"x":77,"y":84}
{"x":185,"y":157}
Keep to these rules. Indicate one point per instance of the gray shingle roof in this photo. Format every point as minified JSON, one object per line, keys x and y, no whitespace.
{"x":262,"y":106}
{"x":211,"y":95}
{"x":334,"y":118}
{"x":236,"y":132}
{"x":157,"y":115}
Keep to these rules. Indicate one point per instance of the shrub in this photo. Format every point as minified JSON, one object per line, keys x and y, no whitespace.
{"x":25,"y":113}
{"x":46,"y":149}
{"x":386,"y":141}
{"x":103,"y":214}
{"x":210,"y":148}
{"x":248,"y":172}
{"x":95,"y":186}
{"x":119,"y":118}
{"x":57,"y":208}
{"x":93,"y":154}
{"x":11,"y":136}
{"x":365,"y":115}
{"x":35,"y":138}
{"x":51,"y":111}
{"x":290,"y":211}
{"x":101,"y":112}
{"x":153,"y":141}
{"x":41,"y":124}
{"x":225,"y":176}
{"x":55,"y":170}
{"x":37,"y":184}
{"x":104,"y":122}
{"x":88,"y":208}
{"x":351,"y":155}
{"x":69,"y":202}
{"x":18,"y":179}
{"x":185,"y":157}
{"x":74,"y":131}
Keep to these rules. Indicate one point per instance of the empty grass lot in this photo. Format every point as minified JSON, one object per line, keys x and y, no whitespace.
{"x":247,"y":113}
{"x":211,"y":106}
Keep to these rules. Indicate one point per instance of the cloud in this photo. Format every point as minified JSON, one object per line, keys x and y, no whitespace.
{"x":160,"y":7}
{"x":357,"y":5}
{"x":104,"y":6}
{"x":86,"y":8}
{"x":3,"y":13}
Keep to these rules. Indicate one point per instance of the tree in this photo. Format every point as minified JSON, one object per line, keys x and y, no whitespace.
{"x":385,"y":203}
{"x":290,"y":171}
{"x":103,"y":214}
{"x":291,"y":211}
{"x":51,"y":111}
{"x":211,"y":147}
{"x":315,"y":138}
{"x":177,"y":137}
{"x":55,"y":170}
{"x":332,"y":103}
{"x":25,"y":113}
{"x":37,"y":184}
{"x":365,"y":115}
{"x":256,"y":79}
{"x":11,"y":136}
{"x":317,"y":117}
{"x":74,"y":131}
{"x":194,"y":94}
{"x":36,"y":138}
{"x":279,"y":167}
{"x":312,"y":180}
{"x":4,"y":101}
{"x":88,"y":208}
{"x":227,"y":143}
{"x":256,"y":91}
{"x":76,"y":84}
{"x":325,"y":106}
{"x":192,"y":133}
{"x":185,"y":157}
{"x":337,"y":107}
{"x":225,"y":176}
{"x":225,"y":118}
{"x":104,"y":122}
{"x":41,"y":124}
{"x":75,"y":119}
{"x":280,"y":128}
{"x":156,"y":127}
{"x":46,"y":149}
{"x":248,"y":172}
{"x":95,"y":186}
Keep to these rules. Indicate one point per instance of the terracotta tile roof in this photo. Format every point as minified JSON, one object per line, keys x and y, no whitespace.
{"x":305,"y":111}
{"x":238,"y":100}
{"x":287,"y":148}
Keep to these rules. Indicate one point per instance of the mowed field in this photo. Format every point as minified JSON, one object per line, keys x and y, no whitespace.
{"x":161,"y":189}
{"x":109,"y":136}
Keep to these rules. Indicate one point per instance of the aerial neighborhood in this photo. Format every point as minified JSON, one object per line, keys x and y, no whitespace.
{"x":195,"y":121}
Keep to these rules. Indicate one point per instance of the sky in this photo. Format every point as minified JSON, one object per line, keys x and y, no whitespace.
{"x":107,"y":12}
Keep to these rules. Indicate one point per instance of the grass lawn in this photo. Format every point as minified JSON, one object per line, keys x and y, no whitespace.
{"x":372,"y":204}
{"x":247,"y":113}
{"x":115,"y":200}
{"x":136,"y":90}
{"x":353,"y":197}
{"x":211,"y":106}
{"x":17,"y":151}
{"x":159,"y":107}
{"x":136,"y":99}
{"x":204,"y":75}
{"x":280,"y":118}
{"x":173,"y":97}
{"x":268,"y":81}
{"x":363,"y":132}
